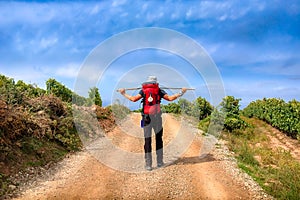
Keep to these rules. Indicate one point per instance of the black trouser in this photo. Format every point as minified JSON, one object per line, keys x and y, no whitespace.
{"x":155,"y":122}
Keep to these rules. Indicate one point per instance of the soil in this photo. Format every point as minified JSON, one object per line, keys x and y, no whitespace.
{"x":280,"y":140}
{"x":100,"y":172}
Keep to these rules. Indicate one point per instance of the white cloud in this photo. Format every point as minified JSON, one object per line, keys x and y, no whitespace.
{"x":69,"y":71}
{"x":212,"y":48}
{"x":95,"y":10}
{"x":40,"y":14}
{"x":124,"y":14}
{"x":145,"y":6}
{"x":48,"y":42}
{"x":223,"y":17}
{"x":174,"y":16}
{"x":261,"y":6}
{"x":47,"y":33}
{"x":18,"y":12}
{"x":279,"y":69}
{"x":189,"y":13}
{"x":117,"y":3}
{"x":154,"y":17}
{"x":208,"y":9}
{"x":218,"y":10}
{"x":28,"y":74}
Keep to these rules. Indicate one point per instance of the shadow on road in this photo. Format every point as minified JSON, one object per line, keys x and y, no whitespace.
{"x":194,"y":160}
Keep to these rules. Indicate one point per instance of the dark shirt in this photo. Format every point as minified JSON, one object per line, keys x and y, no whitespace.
{"x":162,"y":93}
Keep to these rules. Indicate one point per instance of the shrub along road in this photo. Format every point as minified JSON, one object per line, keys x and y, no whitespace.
{"x":82,"y":176}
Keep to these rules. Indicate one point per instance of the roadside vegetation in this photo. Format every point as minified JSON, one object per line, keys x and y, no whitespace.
{"x":273,"y":167}
{"x":282,"y":115}
{"x":38,"y":127}
{"x":248,"y":133}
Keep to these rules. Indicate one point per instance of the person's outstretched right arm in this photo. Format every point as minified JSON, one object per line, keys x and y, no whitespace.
{"x":131,"y":98}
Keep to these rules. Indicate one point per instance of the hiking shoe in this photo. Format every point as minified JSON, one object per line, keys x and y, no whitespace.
{"x":148,"y":168}
{"x":160,"y":164}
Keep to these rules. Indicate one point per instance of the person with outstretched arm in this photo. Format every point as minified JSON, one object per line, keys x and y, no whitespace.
{"x":151,"y":96}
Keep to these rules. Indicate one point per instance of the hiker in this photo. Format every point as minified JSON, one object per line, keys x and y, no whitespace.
{"x":151,"y":116}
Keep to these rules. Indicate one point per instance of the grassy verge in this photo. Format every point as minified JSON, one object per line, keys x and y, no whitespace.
{"x":26,"y":152}
{"x":277,"y":172}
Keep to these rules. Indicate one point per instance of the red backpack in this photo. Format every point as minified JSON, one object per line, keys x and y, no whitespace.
{"x":151,"y":101}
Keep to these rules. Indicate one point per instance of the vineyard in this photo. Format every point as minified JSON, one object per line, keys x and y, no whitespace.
{"x":281,"y":115}
{"x":285,"y":116}
{"x":272,"y":166}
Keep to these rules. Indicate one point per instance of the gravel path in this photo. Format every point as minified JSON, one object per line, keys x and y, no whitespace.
{"x":113,"y":168}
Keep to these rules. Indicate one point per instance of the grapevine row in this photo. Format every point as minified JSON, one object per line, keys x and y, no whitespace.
{"x":282,"y":115}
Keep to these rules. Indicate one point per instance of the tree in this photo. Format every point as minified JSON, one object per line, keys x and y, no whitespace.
{"x":185,"y":105}
{"x":29,"y":90}
{"x":65,"y":94}
{"x":201,"y":108}
{"x":230,"y":106}
{"x":231,"y":110}
{"x":94,"y":97}
{"x":171,"y":108}
{"x":59,"y":90}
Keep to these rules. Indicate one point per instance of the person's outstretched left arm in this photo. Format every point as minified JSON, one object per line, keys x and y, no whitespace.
{"x":174,"y":96}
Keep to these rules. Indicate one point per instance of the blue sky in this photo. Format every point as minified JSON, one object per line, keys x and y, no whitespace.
{"x":254,"y":44}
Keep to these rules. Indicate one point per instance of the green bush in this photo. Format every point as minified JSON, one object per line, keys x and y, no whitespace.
{"x":65,"y":94}
{"x":234,"y":123}
{"x":185,"y":106}
{"x":17,"y":93}
{"x":94,"y":97}
{"x":119,"y":111}
{"x":201,"y":108}
{"x":171,"y":108}
{"x":204,"y":124}
{"x":278,"y":113}
{"x":59,"y":90}
{"x":230,"y":108}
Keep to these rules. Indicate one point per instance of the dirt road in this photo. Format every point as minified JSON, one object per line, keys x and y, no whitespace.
{"x":110,"y":175}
